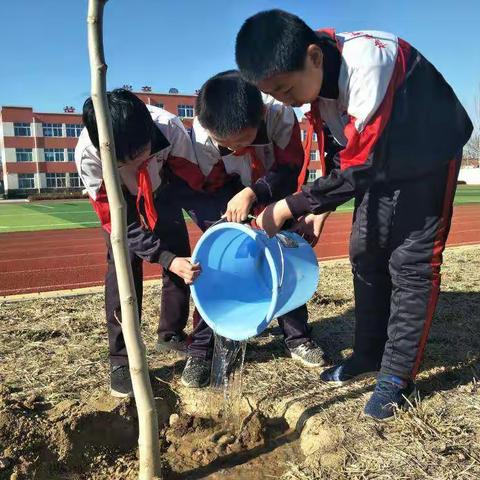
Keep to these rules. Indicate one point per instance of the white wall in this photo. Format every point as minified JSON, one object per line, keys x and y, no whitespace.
{"x":37,"y":131}
{"x":8,"y":129}
{"x":41,"y":180}
{"x":10,"y":155}
{"x":12,"y":181}
{"x":470,"y":175}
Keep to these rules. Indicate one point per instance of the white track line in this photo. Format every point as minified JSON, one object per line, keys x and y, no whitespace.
{"x":58,"y":212}
{"x":53,"y":225}
{"x":82,"y":284}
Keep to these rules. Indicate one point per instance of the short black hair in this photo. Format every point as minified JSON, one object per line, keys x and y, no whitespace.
{"x":272,"y":42}
{"x":226,"y":104}
{"x":131,"y":121}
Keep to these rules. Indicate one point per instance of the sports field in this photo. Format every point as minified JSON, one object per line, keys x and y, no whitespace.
{"x":59,"y":215}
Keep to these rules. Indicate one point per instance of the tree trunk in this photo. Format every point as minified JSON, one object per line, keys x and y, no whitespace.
{"x":148,"y":442}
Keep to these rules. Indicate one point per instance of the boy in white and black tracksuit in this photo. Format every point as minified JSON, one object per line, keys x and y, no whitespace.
{"x":152,"y":148}
{"x":251,"y":154}
{"x":403,"y":130}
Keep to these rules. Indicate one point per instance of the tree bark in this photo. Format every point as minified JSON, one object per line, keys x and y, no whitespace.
{"x":148,"y":442}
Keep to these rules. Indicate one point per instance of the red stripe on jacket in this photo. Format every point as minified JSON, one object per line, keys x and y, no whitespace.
{"x":217,"y":177}
{"x":102,"y":209}
{"x":188,"y":171}
{"x":360,"y":144}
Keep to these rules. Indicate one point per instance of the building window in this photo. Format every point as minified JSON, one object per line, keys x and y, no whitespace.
{"x":52,"y":129}
{"x":312,"y":175}
{"x":24,"y":154}
{"x":74,"y":129}
{"x":70,"y":154}
{"x":74,"y":180}
{"x":159,"y":105}
{"x":313,"y":155}
{"x":54,"y":155}
{"x":22,"y":129}
{"x":56,"y":180}
{"x":315,"y":138}
{"x":304,"y":135}
{"x":26,"y":181}
{"x":185,"y":111}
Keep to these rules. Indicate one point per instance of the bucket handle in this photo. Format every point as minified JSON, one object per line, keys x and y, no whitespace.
{"x":282,"y":259}
{"x":224,"y":220}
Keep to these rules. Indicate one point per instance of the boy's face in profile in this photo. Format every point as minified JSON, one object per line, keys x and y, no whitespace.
{"x":237,"y":141}
{"x":133,"y":163}
{"x":298,"y":87}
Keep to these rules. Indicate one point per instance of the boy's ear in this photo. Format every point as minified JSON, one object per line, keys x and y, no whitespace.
{"x":314,"y":52}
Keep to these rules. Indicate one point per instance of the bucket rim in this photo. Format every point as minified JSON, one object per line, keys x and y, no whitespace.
{"x":254,"y":234}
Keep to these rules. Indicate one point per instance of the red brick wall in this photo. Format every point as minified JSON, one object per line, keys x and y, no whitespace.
{"x":58,"y":117}
{"x":57,"y":142}
{"x":22,"y":167}
{"x":57,"y":167}
{"x":19,"y":142}
{"x":17,"y":114}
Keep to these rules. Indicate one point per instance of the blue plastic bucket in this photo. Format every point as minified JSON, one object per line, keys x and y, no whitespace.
{"x":249,"y":279}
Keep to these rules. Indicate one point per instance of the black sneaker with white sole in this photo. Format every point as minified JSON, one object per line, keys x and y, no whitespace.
{"x":175,"y":343}
{"x":351,"y":369}
{"x":120,"y":382}
{"x":196,"y":373}
{"x":308,"y":354}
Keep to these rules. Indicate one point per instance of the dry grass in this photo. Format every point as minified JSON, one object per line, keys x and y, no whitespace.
{"x":57,"y":348}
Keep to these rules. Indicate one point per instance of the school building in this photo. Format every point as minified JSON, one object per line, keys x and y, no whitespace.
{"x":37,"y":149}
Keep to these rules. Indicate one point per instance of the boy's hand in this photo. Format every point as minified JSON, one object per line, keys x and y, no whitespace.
{"x":273,"y":217}
{"x":239,"y":206}
{"x":184,"y":268}
{"x":310,"y":227}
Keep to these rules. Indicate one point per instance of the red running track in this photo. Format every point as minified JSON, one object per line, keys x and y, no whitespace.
{"x":66,"y":259}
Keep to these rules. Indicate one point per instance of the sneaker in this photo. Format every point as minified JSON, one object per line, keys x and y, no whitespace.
{"x":309,"y":354}
{"x":176,"y":343}
{"x":120,"y":382}
{"x":196,"y":373}
{"x":349,"y":370}
{"x":391,"y":392}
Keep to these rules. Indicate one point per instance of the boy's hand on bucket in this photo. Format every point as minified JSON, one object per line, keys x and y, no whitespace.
{"x":310,"y":227}
{"x":273,"y":217}
{"x":185,"y":269}
{"x":239,"y":206}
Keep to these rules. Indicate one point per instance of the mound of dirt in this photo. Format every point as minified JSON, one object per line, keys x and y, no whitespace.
{"x":43,"y":442}
{"x":322,"y":444}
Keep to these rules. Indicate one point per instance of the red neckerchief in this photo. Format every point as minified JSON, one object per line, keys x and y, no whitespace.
{"x":258,"y":170}
{"x":315,"y":124}
{"x":145,"y":191}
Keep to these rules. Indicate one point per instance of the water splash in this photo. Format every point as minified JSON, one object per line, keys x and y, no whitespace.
{"x":227,"y":376}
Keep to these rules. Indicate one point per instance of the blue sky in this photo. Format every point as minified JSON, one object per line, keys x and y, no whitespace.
{"x":44,"y":60}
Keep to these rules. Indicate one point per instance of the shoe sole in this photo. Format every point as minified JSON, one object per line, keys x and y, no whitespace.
{"x":188,"y":385}
{"x":404,"y":408}
{"x":117,"y":394}
{"x":168,"y":349}
{"x":357,"y":378}
{"x":298,"y":358}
